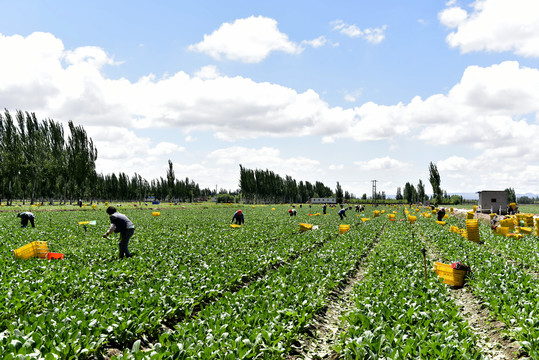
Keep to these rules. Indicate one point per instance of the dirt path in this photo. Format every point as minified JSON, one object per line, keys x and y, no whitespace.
{"x":327,"y":326}
{"x":492,"y":340}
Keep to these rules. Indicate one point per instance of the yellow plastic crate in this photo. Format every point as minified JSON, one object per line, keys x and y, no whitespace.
{"x":440,"y":222}
{"x":508,"y":223}
{"x":156,"y":213}
{"x":34,"y":249}
{"x":502,"y":230}
{"x":305,"y":227}
{"x":524,"y":230}
{"x":412,"y":219}
{"x":235,"y":226}
{"x":343,"y":228}
{"x":449,"y":275}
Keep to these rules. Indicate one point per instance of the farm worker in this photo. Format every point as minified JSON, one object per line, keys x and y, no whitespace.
{"x":342,"y":213}
{"x":324,"y":208}
{"x":25,"y":216}
{"x":362,"y":208}
{"x":441,"y":214}
{"x":292,"y":212}
{"x":238,"y":216}
{"x":120,"y":224}
{"x":357,"y":208}
{"x":495,"y":222}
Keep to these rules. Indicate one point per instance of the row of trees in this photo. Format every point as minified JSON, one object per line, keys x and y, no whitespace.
{"x":266,"y":186}
{"x":38,"y":162}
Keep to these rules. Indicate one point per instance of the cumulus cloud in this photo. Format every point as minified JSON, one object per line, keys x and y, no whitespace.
{"x":315,"y":43}
{"x":249,"y":40}
{"x":495,"y":25}
{"x":371,"y":35}
{"x":385,"y":163}
{"x":492,"y":110}
{"x":266,"y":158}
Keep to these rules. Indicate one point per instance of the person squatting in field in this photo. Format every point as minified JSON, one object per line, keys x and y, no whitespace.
{"x":441,"y":214}
{"x":25,"y":216}
{"x":342,"y":213}
{"x":324,"y":208}
{"x":292,"y":212}
{"x":120,"y":224}
{"x":238,"y":216}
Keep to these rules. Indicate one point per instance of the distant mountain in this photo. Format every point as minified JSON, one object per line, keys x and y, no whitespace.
{"x":530,"y":195}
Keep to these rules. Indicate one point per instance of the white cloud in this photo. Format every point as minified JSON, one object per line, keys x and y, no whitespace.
{"x":165,"y":148}
{"x":207,"y":72}
{"x":353,"y":96}
{"x":385,"y":163}
{"x":249,"y":40}
{"x":336,"y":167}
{"x":316,"y":43}
{"x":453,"y":163}
{"x":495,"y":25}
{"x":492,"y":110}
{"x":453,"y":17}
{"x":266,"y":158}
{"x":372,"y":35}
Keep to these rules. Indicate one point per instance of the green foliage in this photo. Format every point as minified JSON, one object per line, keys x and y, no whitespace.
{"x":434,"y":178}
{"x":511,"y":196}
{"x":225,"y":198}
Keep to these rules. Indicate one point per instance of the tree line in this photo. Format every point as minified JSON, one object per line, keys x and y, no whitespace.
{"x":266,"y":186}
{"x":39,"y":162}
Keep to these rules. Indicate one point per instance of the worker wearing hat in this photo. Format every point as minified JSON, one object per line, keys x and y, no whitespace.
{"x":292,"y":212}
{"x":238,"y":216}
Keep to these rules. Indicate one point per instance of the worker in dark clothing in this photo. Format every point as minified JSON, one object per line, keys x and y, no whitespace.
{"x":357,"y":208}
{"x":238,"y":216}
{"x":25,"y":217}
{"x":441,"y":214}
{"x":342,"y":213}
{"x":324,"y":208}
{"x":120,"y":223}
{"x":292,"y":212}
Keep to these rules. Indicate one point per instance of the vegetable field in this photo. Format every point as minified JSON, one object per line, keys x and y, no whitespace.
{"x":200,"y":289}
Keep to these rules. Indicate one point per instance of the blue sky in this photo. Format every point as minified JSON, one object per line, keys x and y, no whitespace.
{"x":348,"y":91}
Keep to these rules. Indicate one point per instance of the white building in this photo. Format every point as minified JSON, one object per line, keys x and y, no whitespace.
{"x":494,"y":201}
{"x":323,"y":201}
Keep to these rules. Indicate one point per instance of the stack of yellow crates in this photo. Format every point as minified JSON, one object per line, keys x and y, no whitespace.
{"x":527,"y":219}
{"x":509,"y":223}
{"x":472,"y":230}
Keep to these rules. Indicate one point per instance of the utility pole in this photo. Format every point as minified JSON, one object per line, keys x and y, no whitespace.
{"x":374,"y":191}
